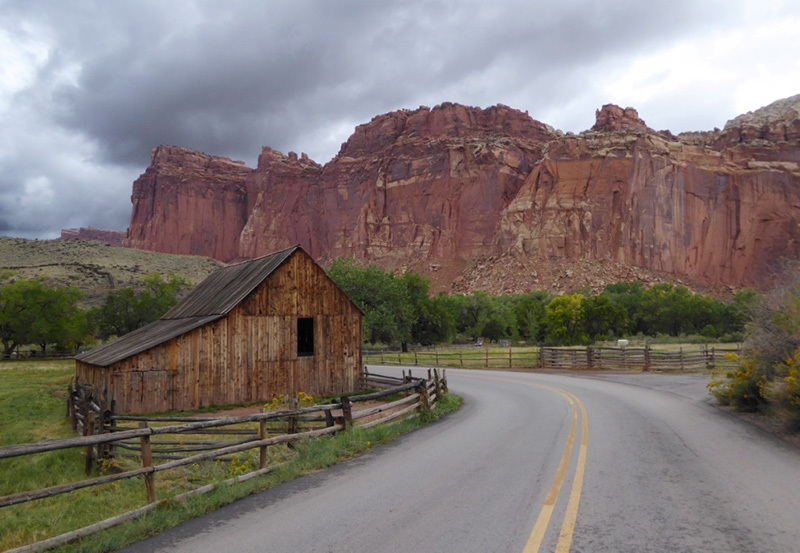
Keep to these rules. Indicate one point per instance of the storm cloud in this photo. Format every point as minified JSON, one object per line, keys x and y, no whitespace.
{"x":87,"y":89}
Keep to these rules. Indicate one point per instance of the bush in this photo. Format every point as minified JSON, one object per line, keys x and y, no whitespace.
{"x":742,"y":388}
{"x":784,"y":391}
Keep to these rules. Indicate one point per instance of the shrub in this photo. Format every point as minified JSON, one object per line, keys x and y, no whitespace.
{"x":784,"y":391}
{"x":742,"y":388}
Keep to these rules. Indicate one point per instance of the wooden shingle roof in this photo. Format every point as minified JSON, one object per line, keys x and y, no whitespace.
{"x":210,"y":300}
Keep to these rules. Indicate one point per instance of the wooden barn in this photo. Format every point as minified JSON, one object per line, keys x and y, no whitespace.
{"x":249,"y":332}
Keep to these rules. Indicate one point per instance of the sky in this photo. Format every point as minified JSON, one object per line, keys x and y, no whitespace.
{"x":89,"y":88}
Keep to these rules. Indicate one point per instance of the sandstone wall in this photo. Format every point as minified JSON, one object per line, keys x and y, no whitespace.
{"x":456,"y":192}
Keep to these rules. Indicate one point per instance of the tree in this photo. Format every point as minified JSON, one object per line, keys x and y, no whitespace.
{"x":566,"y":320}
{"x":124,"y":310}
{"x":629,"y":296}
{"x":57,"y":319}
{"x":471,"y":313}
{"x":33,"y":313}
{"x":384,"y":299}
{"x":605,"y":318}
{"x":433,"y":323}
{"x":530,"y":312}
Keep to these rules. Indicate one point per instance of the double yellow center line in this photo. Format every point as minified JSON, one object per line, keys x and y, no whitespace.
{"x":534,"y":542}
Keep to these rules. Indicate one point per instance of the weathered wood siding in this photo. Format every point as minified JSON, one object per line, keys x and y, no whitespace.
{"x":249,"y":355}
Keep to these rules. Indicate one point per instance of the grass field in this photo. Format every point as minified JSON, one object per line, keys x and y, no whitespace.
{"x":33,"y":408}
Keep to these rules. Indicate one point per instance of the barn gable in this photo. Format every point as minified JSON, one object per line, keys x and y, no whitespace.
{"x":249,"y":332}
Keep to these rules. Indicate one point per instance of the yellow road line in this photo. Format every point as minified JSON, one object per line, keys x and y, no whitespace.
{"x":571,"y":516}
{"x":536,"y":537}
{"x":539,"y":529}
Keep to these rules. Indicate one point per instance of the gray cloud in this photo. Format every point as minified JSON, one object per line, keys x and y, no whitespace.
{"x":108,"y":81}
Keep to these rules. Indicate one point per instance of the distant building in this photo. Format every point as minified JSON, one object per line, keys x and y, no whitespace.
{"x":249,"y":332}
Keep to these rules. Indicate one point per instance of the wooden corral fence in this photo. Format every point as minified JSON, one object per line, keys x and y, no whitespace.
{"x":106,"y":435}
{"x":593,"y":358}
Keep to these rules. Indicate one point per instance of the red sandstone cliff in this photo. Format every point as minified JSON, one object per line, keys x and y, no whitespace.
{"x":493,"y":199}
{"x":187,"y":202}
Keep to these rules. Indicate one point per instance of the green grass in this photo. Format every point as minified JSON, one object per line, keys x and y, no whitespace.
{"x":33,"y":407}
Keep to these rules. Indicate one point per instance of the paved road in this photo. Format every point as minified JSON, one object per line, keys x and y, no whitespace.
{"x":536,"y":462}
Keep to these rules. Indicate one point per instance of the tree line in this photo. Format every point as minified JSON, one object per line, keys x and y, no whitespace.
{"x":399,"y":310}
{"x":52,"y":317}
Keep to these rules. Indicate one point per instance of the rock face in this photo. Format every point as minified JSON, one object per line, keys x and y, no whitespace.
{"x":187,"y":202}
{"x":493,"y":199}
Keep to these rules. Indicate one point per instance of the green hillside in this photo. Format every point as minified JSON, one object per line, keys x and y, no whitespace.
{"x":94,"y":267}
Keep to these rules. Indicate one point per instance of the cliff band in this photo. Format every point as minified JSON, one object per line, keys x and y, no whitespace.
{"x":493,"y":199}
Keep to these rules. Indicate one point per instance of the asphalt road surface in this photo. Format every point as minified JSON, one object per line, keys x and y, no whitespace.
{"x":536,"y":462}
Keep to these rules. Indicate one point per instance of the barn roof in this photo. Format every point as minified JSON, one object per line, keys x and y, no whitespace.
{"x":210,"y":300}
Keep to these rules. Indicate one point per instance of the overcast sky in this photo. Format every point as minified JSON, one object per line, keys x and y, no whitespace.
{"x":88,"y":88}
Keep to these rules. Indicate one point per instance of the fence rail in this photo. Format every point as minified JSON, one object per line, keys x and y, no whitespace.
{"x":595,"y":358}
{"x":252,"y":431}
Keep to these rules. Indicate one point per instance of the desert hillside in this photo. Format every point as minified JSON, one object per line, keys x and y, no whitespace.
{"x":94,"y":267}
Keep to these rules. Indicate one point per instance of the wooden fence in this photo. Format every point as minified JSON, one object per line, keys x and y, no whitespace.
{"x":591,"y":358}
{"x":104,"y":435}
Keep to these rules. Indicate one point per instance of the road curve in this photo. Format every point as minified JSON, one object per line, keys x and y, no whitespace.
{"x":535,"y":462}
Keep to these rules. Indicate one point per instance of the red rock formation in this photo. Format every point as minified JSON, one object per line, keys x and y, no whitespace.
{"x":458,"y":192}
{"x":187,"y":202}
{"x":112,"y":237}
{"x":613,"y":118}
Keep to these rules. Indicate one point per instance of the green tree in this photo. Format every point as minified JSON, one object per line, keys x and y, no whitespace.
{"x":124,"y":310}
{"x":604,"y":317}
{"x":389,"y":313}
{"x":57,"y":319}
{"x":433,"y":322}
{"x":628,"y":295}
{"x":530,"y":312}
{"x":33,"y":313}
{"x":566,"y":320}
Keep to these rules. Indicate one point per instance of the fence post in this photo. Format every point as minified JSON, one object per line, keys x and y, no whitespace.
{"x":262,"y":435}
{"x":416,"y":361}
{"x":461,"y":357}
{"x":589,"y":357}
{"x":487,"y":357}
{"x":647,"y":361}
{"x":424,"y":399}
{"x":291,"y":426}
{"x":347,"y":412}
{"x":147,"y":462}
{"x":436,"y":353}
{"x":681,"y":352}
{"x":71,"y":403}
{"x":509,"y":358}
{"x":88,"y":430}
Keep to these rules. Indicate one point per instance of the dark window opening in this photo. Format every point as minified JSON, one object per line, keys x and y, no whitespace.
{"x":305,"y":336}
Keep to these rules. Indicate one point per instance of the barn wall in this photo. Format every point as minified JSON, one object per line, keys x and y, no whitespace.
{"x":250,"y":355}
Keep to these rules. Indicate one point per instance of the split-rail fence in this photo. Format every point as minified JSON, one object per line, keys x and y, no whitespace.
{"x":587,"y":358}
{"x":105,"y":435}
